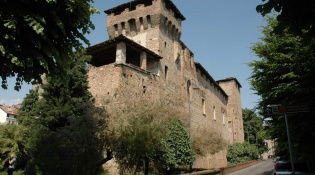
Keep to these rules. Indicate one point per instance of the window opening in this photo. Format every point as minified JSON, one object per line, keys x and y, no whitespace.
{"x":214,"y":117}
{"x":166,"y":72}
{"x":223,"y":117}
{"x":123,"y":28}
{"x":203,"y":107}
{"x":132,"y":25}
{"x":141,"y":23}
{"x":116,"y":29}
{"x":149,"y":21}
{"x":188,"y":87}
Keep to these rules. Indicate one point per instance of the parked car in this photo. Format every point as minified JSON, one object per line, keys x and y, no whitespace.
{"x":284,"y":167}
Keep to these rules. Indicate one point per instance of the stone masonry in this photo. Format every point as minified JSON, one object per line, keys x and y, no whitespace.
{"x":145,"y":52}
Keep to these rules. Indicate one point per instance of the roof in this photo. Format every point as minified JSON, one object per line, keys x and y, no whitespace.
{"x":134,"y":3}
{"x":198,"y":65}
{"x":8,"y":109}
{"x":107,"y":48}
{"x":231,"y":79}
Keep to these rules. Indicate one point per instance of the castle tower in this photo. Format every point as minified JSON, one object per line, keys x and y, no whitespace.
{"x":234,"y":109}
{"x":151,"y":23}
{"x":154,"y":24}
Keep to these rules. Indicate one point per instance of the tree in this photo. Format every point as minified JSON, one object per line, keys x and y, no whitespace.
{"x":177,"y":148}
{"x":41,"y":37}
{"x":254,"y":132}
{"x":10,"y":142}
{"x":293,"y":15}
{"x":283,"y":75}
{"x":137,"y":128}
{"x":62,"y":124}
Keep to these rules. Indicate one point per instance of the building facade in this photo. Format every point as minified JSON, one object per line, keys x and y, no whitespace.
{"x":8,"y":115}
{"x":145,"y":55}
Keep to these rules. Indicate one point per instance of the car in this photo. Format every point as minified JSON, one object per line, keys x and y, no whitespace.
{"x":283,"y":167}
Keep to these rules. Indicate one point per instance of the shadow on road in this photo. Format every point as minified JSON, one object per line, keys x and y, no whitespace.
{"x":267,"y":173}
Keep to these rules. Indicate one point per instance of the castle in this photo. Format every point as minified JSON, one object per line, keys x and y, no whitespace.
{"x":145,"y":50}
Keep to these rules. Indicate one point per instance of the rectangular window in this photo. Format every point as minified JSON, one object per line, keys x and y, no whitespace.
{"x":223,"y":117}
{"x":214,"y":117}
{"x":203,"y":107}
{"x":123,"y":28}
{"x":149,"y":21}
{"x":116,"y":29}
{"x":132,"y":25}
{"x":166,"y":71}
{"x":141,"y":23}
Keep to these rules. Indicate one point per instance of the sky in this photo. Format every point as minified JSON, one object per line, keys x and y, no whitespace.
{"x":220,"y":33}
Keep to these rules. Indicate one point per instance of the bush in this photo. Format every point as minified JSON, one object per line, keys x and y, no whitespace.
{"x":241,"y":153}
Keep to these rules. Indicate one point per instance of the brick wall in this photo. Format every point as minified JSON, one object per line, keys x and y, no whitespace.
{"x":208,"y":105}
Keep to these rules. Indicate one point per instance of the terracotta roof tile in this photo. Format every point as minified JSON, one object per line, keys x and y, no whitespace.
{"x":8,"y":109}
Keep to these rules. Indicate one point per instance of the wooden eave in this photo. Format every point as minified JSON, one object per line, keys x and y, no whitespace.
{"x":107,"y":49}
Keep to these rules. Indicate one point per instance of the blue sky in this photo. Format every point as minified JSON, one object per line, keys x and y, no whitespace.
{"x":218,"y":32}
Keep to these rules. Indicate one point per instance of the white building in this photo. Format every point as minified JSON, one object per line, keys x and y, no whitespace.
{"x":8,"y":115}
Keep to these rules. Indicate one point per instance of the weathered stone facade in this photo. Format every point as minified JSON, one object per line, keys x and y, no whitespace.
{"x":145,"y":52}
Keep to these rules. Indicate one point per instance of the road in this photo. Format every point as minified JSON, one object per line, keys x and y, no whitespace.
{"x":263,"y":168}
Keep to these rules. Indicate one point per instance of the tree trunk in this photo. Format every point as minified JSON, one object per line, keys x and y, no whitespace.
{"x":146,"y":166}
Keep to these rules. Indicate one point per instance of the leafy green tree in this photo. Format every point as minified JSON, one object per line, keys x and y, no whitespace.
{"x":40,"y":37}
{"x":64,"y":130}
{"x":177,"y":148}
{"x":293,"y":15}
{"x":284,"y":75}
{"x":253,"y":130}
{"x":10,"y":142}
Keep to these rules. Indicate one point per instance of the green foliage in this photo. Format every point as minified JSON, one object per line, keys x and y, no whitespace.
{"x":63,"y":131}
{"x":295,"y":15}
{"x":18,"y":172}
{"x":241,"y":153}
{"x":10,"y":142}
{"x":40,"y":37}
{"x":177,"y":148}
{"x":284,"y":75}
{"x":254,"y":132}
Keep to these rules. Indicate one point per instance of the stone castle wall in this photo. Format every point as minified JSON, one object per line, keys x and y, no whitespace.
{"x":209,"y":105}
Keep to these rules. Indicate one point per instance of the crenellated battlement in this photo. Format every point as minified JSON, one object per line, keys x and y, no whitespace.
{"x":136,"y":17}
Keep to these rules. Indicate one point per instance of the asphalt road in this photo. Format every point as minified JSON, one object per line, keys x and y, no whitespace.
{"x":262,"y":168}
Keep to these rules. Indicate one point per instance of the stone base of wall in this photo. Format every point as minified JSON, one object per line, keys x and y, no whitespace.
{"x":217,"y":160}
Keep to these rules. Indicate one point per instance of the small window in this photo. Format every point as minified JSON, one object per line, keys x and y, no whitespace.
{"x":188,"y":87}
{"x":203,"y":107}
{"x":123,"y":28}
{"x":166,"y":72}
{"x":116,"y":29}
{"x":132,"y":25}
{"x":214,"y":117}
{"x":149,"y":21}
{"x":141,"y":23}
{"x":223,"y":117}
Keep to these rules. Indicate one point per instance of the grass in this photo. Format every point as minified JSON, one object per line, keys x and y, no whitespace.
{"x":15,"y":172}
